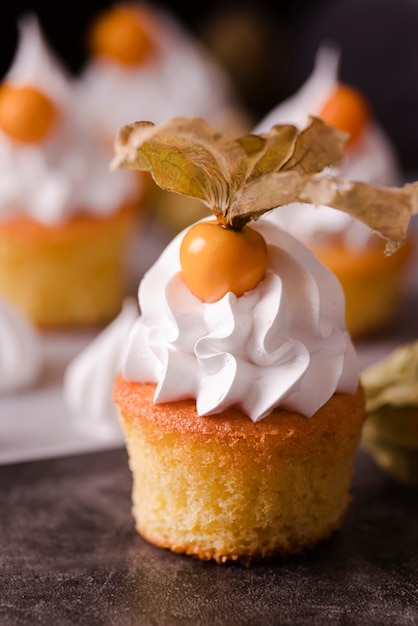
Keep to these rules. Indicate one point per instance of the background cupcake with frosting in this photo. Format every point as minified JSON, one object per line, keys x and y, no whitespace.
{"x":373,"y":284}
{"x":65,"y":221}
{"x":144,"y":64}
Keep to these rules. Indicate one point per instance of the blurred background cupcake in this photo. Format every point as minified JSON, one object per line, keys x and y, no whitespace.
{"x":144,"y":64}
{"x":373,"y":284}
{"x":65,"y":221}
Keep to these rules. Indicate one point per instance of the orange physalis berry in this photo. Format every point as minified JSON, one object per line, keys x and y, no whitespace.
{"x":26,"y":114}
{"x":121,"y":34}
{"x":347,"y":110}
{"x":216,"y":259}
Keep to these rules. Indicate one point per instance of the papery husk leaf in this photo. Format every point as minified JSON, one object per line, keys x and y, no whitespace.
{"x":393,"y":381}
{"x":317,"y":147}
{"x":287,"y":148}
{"x":269,"y":152}
{"x":184,"y":156}
{"x":189,"y":157}
{"x":240,"y":179}
{"x":386,"y":211}
{"x":390,"y":433}
{"x":390,"y":436}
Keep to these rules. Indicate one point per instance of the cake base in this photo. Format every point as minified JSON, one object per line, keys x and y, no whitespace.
{"x":69,"y":275}
{"x":227,"y":489}
{"x":373,"y":284}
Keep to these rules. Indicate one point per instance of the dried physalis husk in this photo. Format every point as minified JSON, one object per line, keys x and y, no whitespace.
{"x":390,"y":432}
{"x":239,"y":179}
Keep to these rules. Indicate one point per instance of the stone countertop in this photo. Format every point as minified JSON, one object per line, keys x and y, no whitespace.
{"x":69,"y":554}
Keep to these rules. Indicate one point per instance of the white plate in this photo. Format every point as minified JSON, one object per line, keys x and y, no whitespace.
{"x":36,"y":423}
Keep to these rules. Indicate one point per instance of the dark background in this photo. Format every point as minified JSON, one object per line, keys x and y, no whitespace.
{"x":268,"y":48}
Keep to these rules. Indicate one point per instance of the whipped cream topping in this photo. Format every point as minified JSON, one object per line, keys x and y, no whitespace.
{"x":283,"y":344}
{"x":180,"y":78}
{"x":21,"y":355}
{"x":370,"y":159}
{"x":68,"y":172}
{"x":89,"y":376}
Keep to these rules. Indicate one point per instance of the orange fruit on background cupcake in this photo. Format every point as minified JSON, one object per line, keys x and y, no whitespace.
{"x":122,"y":33}
{"x":26,"y":114}
{"x":347,"y":109}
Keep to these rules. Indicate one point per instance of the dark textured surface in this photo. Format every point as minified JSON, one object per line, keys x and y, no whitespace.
{"x":70,"y":555}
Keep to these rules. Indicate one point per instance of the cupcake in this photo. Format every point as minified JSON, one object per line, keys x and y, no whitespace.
{"x":373,"y":284}
{"x":390,"y":432}
{"x":369,"y":155}
{"x":239,"y":393}
{"x":21,"y":357}
{"x":143,"y":64}
{"x":65,"y":221}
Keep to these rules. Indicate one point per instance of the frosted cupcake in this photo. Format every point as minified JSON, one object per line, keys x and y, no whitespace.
{"x":65,"y":221}
{"x":373,"y":284}
{"x":239,"y":393}
{"x":145,"y":65}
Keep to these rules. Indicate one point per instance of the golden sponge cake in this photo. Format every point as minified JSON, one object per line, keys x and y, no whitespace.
{"x":225,"y":488}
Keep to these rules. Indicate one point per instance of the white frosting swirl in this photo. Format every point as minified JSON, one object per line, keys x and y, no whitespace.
{"x":20,"y":349}
{"x":370,"y":159}
{"x":283,"y":344}
{"x":89,"y":376}
{"x":180,"y":78}
{"x":67,"y":172}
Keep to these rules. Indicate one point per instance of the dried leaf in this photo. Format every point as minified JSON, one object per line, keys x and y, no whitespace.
{"x":184,"y":156}
{"x":387,"y":211}
{"x":274,"y":150}
{"x":240,"y":179}
{"x":393,"y":381}
{"x":318,"y":146}
{"x":390,"y":433}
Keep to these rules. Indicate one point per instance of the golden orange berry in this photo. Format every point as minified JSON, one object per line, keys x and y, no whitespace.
{"x":216,"y":259}
{"x":347,"y":110}
{"x":121,"y":34}
{"x":26,"y":114}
